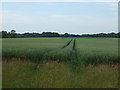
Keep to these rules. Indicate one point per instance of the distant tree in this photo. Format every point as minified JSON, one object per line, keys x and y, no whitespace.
{"x":4,"y":34}
{"x":12,"y":33}
{"x":66,"y":35}
{"x":50,"y":34}
{"x":119,"y":35}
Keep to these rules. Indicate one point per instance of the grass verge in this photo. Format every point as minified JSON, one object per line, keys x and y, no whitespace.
{"x":21,"y":74}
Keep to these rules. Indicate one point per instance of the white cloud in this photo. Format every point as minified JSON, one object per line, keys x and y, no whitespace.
{"x":60,"y":0}
{"x":109,"y":4}
{"x":0,"y":20}
{"x":59,"y":23}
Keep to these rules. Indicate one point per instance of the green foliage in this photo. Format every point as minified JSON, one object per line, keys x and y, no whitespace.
{"x":13,"y":34}
{"x":12,"y":31}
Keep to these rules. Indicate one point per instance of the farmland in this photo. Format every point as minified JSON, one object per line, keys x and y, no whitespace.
{"x":48,"y":62}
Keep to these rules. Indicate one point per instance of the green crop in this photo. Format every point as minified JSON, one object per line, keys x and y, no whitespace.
{"x":76,"y":51}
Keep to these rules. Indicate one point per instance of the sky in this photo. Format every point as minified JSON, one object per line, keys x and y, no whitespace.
{"x":61,"y":17}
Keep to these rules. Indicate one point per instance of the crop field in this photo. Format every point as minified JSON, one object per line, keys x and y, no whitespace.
{"x":60,"y":62}
{"x":86,"y":51}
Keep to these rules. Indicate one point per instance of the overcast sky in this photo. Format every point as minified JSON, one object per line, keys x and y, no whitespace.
{"x":70,"y":17}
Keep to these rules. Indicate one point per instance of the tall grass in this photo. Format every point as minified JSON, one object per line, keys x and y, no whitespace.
{"x":21,"y":74}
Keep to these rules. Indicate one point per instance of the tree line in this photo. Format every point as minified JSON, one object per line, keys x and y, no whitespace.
{"x":13,"y":34}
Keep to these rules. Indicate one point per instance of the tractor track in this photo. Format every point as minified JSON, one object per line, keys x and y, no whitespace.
{"x":74,"y":44}
{"x":73,"y":53}
{"x":44,"y":56}
{"x":67,"y":44}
